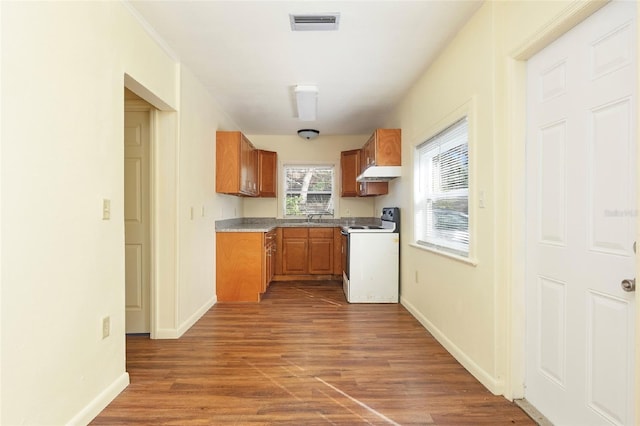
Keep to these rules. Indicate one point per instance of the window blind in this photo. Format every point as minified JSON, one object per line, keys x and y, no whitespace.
{"x":442,"y":190}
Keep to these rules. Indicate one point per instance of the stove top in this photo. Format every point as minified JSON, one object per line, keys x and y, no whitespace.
{"x":390,"y":222}
{"x":386,"y":227}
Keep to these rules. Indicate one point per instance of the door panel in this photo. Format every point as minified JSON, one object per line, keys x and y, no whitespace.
{"x":581,"y":208}
{"x":136,"y":221}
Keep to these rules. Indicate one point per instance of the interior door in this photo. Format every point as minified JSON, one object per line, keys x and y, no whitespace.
{"x":136,"y":218}
{"x":581,"y":208}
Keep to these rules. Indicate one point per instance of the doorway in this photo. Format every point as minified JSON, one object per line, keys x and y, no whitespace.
{"x":137,"y":214}
{"x":581,"y":204}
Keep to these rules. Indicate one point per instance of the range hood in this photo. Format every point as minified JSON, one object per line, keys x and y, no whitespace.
{"x":380,"y":174}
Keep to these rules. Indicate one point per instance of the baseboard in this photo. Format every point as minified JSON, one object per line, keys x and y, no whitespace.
{"x":166,"y":333}
{"x":277,"y":278}
{"x":99,"y":403}
{"x":175,"y":333}
{"x":189,"y":322}
{"x":494,"y":385}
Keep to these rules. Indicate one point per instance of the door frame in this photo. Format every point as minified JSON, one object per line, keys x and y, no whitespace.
{"x":516,"y":116}
{"x":133,"y":105}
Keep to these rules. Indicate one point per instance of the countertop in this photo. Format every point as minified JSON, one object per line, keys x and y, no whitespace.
{"x":249,"y":224}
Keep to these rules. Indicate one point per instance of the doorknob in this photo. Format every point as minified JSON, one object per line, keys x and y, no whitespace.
{"x":629,"y":285}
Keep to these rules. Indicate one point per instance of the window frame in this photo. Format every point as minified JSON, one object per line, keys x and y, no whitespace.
{"x":327,"y":213}
{"x":432,"y":246}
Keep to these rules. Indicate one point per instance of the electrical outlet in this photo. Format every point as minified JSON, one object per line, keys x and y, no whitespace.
{"x":348,"y":212}
{"x":417,"y":276}
{"x":106,"y":327}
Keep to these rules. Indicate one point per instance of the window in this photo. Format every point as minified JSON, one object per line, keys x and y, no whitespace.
{"x":308,"y":190}
{"x":442,"y":191}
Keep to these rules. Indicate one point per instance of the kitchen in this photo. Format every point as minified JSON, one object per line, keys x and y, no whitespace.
{"x":57,"y":174}
{"x":327,"y":253}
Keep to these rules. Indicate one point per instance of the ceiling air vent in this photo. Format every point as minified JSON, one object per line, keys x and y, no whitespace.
{"x":315,"y":22}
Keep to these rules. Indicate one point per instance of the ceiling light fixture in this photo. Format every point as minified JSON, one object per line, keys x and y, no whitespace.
{"x":307,"y":102}
{"x":308,"y":134}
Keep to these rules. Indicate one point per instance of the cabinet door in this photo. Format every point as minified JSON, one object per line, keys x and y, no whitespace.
{"x":267,"y":173}
{"x":245,"y":164}
{"x":239,"y":266}
{"x":321,"y":256}
{"x":386,"y":149}
{"x":253,"y":172}
{"x":321,"y":251}
{"x":272,"y":262}
{"x":368,"y":153}
{"x":248,"y":168}
{"x":228,"y":162}
{"x":294,"y":256}
{"x":350,"y":168}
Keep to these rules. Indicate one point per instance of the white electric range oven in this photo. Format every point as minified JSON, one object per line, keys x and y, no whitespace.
{"x":371,"y":270}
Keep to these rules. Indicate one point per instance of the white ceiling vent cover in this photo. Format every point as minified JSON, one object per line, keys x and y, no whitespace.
{"x":315,"y":22}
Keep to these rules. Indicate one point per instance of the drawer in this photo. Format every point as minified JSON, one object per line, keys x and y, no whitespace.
{"x":320,"y":232}
{"x":295,"y":232}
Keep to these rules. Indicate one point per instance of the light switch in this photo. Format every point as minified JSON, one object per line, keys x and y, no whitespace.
{"x":481,"y":199}
{"x":106,"y":209}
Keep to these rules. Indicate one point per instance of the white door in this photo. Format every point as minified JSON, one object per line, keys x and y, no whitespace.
{"x":136,"y":218}
{"x":581,"y":161}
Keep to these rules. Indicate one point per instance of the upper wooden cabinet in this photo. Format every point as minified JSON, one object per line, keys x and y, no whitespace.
{"x":236,"y":164}
{"x":383,"y":148}
{"x":350,"y":167}
{"x":267,"y":173}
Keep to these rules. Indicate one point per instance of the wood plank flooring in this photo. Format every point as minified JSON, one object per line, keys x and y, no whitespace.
{"x":303,"y":356}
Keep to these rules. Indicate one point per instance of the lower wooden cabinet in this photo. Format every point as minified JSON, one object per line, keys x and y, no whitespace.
{"x":308,"y":251}
{"x":241,"y":266}
{"x":247,"y":262}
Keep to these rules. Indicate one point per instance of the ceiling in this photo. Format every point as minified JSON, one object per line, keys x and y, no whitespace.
{"x":247,"y":56}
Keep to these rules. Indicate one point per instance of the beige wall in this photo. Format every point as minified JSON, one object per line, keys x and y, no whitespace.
{"x":64,"y":66}
{"x":454,"y":299}
{"x":470,"y":306}
{"x":200,"y":117}
{"x":292,"y":149}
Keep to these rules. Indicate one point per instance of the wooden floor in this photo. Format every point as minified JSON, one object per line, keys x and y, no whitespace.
{"x":303,"y":356}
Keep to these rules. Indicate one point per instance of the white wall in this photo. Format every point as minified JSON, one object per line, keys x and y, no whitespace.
{"x":63,"y":72}
{"x":292,"y":149}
